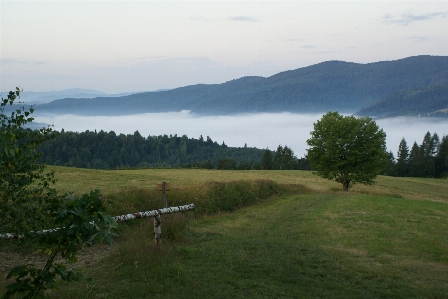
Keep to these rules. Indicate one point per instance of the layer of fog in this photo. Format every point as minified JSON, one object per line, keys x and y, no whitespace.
{"x":267,"y":130}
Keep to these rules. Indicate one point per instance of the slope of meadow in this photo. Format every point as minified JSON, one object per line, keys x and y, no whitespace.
{"x":310,"y":240}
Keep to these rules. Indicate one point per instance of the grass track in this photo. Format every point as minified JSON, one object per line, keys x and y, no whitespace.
{"x":308,"y":246}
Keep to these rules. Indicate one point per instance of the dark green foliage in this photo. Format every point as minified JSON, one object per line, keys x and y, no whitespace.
{"x":228,"y":196}
{"x":104,"y":150}
{"x":428,"y":149}
{"x":285,"y":159}
{"x":226,"y":164}
{"x":79,"y":222}
{"x":303,"y":163}
{"x":428,"y":160}
{"x":415,"y":161}
{"x":346,"y":149}
{"x":390,"y":166}
{"x":266,"y":161}
{"x":203,"y":165}
{"x":441,"y":159}
{"x":57,"y":224}
{"x":331,"y":85}
{"x":402,"y":165}
{"x":23,"y":186}
{"x":423,"y":101}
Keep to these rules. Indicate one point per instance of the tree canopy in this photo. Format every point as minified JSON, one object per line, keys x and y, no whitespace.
{"x":429,"y":160}
{"x":347,"y":149}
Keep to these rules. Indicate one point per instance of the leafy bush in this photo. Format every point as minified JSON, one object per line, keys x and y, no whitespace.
{"x":28,"y":204}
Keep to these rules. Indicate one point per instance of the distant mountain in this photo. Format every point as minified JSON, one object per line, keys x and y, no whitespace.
{"x":32,"y":97}
{"x":332,"y":85}
{"x":423,"y":101}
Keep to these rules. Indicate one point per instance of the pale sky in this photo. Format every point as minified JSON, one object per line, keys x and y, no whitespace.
{"x":128,"y":46}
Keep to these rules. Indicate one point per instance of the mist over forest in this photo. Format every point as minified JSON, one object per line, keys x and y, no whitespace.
{"x":264,"y":130}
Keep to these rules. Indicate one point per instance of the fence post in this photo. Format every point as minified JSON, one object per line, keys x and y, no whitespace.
{"x":157,"y":230}
{"x":164,"y":195}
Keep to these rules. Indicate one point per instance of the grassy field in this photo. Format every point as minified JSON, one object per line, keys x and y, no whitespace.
{"x":389,"y":240}
{"x":82,"y":181}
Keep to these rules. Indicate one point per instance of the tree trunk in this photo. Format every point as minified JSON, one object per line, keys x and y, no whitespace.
{"x":345,"y":185}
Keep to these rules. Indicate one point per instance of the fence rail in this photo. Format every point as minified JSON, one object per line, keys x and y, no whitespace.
{"x":121,"y":218}
{"x":154,"y":213}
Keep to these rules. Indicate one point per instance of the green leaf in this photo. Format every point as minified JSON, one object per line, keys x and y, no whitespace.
{"x":18,"y":270}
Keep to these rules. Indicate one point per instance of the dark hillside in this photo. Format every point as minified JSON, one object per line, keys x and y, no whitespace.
{"x":423,"y":101}
{"x":332,"y":85}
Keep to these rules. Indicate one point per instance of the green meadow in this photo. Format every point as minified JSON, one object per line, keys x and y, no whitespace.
{"x":262,"y":234}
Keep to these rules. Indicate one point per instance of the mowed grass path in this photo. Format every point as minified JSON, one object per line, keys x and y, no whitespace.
{"x":307,"y":246}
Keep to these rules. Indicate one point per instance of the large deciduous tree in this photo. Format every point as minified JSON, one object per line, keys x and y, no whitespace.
{"x":347,"y":149}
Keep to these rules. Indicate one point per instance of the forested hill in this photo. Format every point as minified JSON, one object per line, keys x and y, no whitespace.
{"x":104,"y":150}
{"x":424,"y":101}
{"x":331,"y":85}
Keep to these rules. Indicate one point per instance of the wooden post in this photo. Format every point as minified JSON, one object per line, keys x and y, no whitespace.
{"x":157,"y":231}
{"x":164,"y":186}
{"x":164,"y":195}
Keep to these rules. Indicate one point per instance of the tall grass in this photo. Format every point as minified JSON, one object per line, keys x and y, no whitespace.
{"x":210,"y":197}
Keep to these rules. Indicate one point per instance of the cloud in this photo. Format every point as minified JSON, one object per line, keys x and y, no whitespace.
{"x":188,"y":60}
{"x":235,"y":18}
{"x":406,"y":19}
{"x":419,"y":39}
{"x":146,"y":73}
{"x":242,"y":19}
{"x":293,"y":40}
{"x":5,"y":61}
{"x":199,"y":18}
{"x":144,"y":58}
{"x":171,"y":61}
{"x":326,"y":52}
{"x":309,"y":47}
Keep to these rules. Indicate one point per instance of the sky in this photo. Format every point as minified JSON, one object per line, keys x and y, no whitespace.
{"x":130,"y":46}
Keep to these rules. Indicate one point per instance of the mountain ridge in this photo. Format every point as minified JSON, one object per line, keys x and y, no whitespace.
{"x":331,"y":85}
{"x":431,"y":100}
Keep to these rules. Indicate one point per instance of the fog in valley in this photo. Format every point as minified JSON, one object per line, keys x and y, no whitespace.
{"x":267,"y":130}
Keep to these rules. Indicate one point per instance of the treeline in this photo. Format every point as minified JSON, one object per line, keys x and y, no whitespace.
{"x":428,"y":160}
{"x":107,"y":150}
